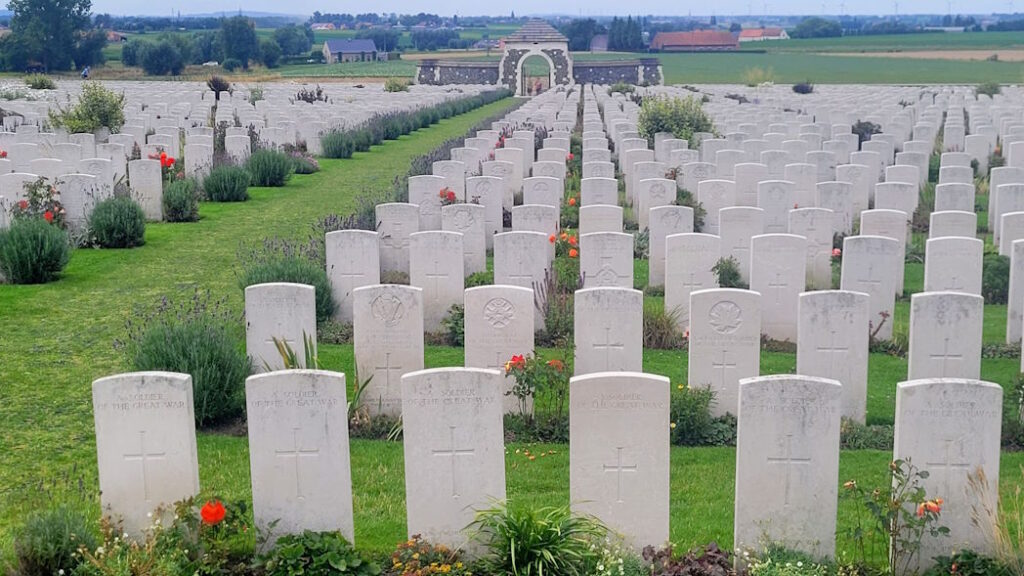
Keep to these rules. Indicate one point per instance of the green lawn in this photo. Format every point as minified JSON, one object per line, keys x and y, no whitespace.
{"x":56,"y":338}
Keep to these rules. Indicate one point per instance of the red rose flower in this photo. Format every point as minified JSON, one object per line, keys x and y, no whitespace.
{"x":48,"y":216}
{"x":212,"y":512}
{"x":551,"y":238}
{"x":3,"y":153}
{"x":23,"y":204}
{"x":573,"y":253}
{"x":569,"y":157}
{"x":450,"y":196}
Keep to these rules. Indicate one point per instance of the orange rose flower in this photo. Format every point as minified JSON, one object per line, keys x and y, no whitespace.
{"x":572,"y":201}
{"x":551,"y":238}
{"x":573,"y":253}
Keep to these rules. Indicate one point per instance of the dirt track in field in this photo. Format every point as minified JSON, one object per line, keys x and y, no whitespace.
{"x":966,"y":55}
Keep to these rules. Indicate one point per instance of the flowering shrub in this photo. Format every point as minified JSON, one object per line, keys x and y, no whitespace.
{"x":533,"y":375}
{"x":414,"y":557}
{"x":48,"y":543}
{"x":169,"y":167}
{"x":895,"y":517}
{"x":42,"y":201}
{"x":447,"y":196}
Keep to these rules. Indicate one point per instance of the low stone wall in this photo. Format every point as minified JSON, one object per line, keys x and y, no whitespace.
{"x":640,"y":71}
{"x":440,"y":73}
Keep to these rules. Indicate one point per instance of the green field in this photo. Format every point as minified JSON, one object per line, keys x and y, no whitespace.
{"x":904,"y":42}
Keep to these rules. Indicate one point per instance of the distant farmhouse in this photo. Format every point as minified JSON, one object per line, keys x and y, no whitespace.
{"x":359,"y":50}
{"x":322,"y":26}
{"x":695,"y":41}
{"x":763,"y":34}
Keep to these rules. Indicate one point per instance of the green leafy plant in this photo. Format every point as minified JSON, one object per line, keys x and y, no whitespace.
{"x":995,"y":278}
{"x":681,"y":117}
{"x":40,"y":82}
{"x":692,"y":423}
{"x":621,"y":88}
{"x":316,"y":554}
{"x":968,"y":563}
{"x":895,"y":517}
{"x":661,"y":330}
{"x":157,"y":552}
{"x":453,"y":326}
{"x":118,"y":222}
{"x":524,"y":541}
{"x":97,"y":108}
{"x":269,"y":168}
{"x":533,"y":376}
{"x":779,"y":561}
{"x":728,"y":272}
{"x":988,"y":88}
{"x":181,"y":201}
{"x":41,"y":201}
{"x":396,"y":85}
{"x":227,"y":184}
{"x":33,"y":251}
{"x":485,"y":278}
{"x":197,"y":337}
{"x":231,"y":64}
{"x":48,"y":542}
{"x":215,"y":538}
{"x":290,"y":358}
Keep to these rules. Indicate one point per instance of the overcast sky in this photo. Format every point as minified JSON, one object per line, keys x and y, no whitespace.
{"x":575,"y":7}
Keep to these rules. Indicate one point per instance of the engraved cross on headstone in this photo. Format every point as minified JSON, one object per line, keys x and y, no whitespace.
{"x":723,"y":365}
{"x":953,"y":284}
{"x":946,"y":356}
{"x":778,"y":286}
{"x":619,"y":469}
{"x":607,"y":346}
{"x":388,"y":369}
{"x":296,"y":454}
{"x":521,"y":274}
{"x":692,"y":283}
{"x":870,"y":280}
{"x":390,"y":239}
{"x":453,"y":453}
{"x":434,"y":277}
{"x":351,"y":271}
{"x":788,"y":461}
{"x":832,"y":350}
{"x":143,"y":457}
{"x":948,"y":465}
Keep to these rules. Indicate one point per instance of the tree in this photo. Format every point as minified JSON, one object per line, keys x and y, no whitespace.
{"x":815,"y":27}
{"x":238,"y":39}
{"x":160,"y":58}
{"x":580,"y":32}
{"x":385,"y":40}
{"x":293,"y":40}
{"x":270,"y":53}
{"x":48,"y":30}
{"x":735,"y":27}
{"x":206,"y":47}
{"x":89,"y":48}
{"x":625,"y":35}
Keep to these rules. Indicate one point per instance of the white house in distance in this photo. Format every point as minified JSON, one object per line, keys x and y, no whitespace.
{"x":357,"y":50}
{"x":762,"y":34}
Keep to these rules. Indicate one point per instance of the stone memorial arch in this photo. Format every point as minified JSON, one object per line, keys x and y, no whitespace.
{"x":538,"y":38}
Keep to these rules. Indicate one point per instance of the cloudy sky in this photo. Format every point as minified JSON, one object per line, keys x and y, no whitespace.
{"x":574,"y":7}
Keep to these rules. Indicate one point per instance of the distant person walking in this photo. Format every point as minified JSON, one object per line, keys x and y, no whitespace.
{"x":85,"y":73}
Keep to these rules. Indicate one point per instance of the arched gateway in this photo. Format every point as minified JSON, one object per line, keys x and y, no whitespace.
{"x":538,"y":38}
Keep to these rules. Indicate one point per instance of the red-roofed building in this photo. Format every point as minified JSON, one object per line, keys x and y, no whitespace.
{"x":695,"y":41}
{"x":762,"y":34}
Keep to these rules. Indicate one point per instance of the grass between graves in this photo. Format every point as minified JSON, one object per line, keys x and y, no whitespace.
{"x":55,"y":339}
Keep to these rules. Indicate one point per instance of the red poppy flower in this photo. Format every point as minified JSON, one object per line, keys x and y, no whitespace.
{"x":573,"y":253}
{"x":450,"y":196}
{"x":23,"y":204}
{"x":48,"y":216}
{"x":163,"y":155}
{"x":212,"y":512}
